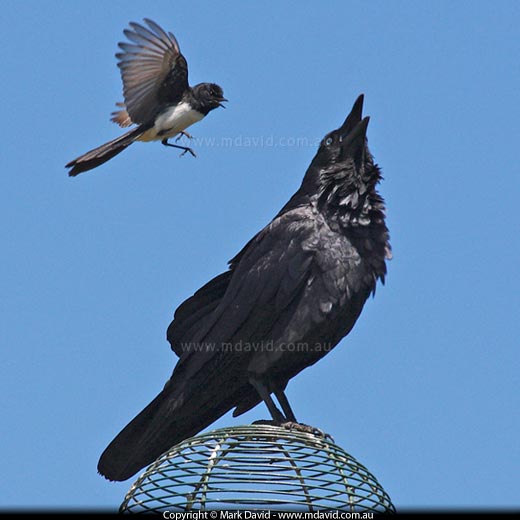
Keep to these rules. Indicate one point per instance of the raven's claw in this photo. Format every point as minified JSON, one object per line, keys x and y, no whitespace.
{"x":296,"y":426}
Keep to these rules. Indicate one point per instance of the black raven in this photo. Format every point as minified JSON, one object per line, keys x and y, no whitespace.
{"x":301,"y":281}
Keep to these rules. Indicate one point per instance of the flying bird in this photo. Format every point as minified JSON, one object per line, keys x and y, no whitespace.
{"x":158,"y":98}
{"x":289,"y":296}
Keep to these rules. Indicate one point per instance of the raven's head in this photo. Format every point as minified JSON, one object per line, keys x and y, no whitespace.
{"x":347,"y":143}
{"x":342,"y":173}
{"x":342,"y":181}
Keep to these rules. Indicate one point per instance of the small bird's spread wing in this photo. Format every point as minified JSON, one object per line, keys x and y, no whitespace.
{"x":153,"y":70}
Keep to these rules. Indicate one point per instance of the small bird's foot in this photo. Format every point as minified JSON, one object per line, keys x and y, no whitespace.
{"x":183,"y":148}
{"x":296,"y":426}
{"x":187,"y":149}
{"x":182,"y":133}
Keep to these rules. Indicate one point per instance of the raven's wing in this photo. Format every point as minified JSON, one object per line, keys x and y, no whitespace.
{"x":283,"y":286}
{"x":153,"y":70}
{"x":267,"y":276}
{"x":198,"y":310}
{"x":191,"y":314}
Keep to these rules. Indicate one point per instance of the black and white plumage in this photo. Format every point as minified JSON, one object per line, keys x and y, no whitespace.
{"x":157,"y":94}
{"x":302,"y":280}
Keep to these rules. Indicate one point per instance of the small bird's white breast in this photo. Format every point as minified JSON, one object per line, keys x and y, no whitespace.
{"x":172,"y":121}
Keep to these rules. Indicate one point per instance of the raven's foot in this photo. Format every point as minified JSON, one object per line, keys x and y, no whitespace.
{"x":296,"y":426}
{"x":305,"y":428}
{"x":268,"y":422}
{"x":182,"y":133}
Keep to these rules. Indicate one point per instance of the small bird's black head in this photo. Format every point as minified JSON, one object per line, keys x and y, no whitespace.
{"x":207,"y":96}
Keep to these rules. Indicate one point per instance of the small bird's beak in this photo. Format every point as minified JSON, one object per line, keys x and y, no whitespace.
{"x":221,"y":100}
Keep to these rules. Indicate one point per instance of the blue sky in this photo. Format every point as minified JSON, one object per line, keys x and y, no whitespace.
{"x":424,"y":391}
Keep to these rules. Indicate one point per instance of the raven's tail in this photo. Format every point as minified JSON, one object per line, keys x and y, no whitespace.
{"x":166,"y":421}
{"x":104,"y":152}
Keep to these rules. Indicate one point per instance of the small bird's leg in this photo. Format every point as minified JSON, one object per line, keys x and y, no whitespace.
{"x":185,"y":134}
{"x":286,"y":407}
{"x":266,"y":397}
{"x":184,"y":148}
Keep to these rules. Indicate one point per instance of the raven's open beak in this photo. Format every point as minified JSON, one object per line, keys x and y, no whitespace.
{"x":358,"y":133}
{"x":220,"y":102}
{"x":353,"y":118}
{"x":353,"y":131}
{"x":353,"y":144}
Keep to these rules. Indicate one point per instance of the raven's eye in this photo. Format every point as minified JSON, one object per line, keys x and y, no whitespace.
{"x":328,"y":141}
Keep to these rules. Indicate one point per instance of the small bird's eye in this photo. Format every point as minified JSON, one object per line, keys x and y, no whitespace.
{"x":328,"y":141}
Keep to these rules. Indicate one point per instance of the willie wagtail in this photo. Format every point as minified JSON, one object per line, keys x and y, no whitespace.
{"x":157,"y":95}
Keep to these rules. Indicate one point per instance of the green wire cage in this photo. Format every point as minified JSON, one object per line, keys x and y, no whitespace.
{"x":257,"y":467}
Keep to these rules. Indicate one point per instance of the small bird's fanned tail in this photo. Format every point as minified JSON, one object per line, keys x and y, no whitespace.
{"x":103,"y":153}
